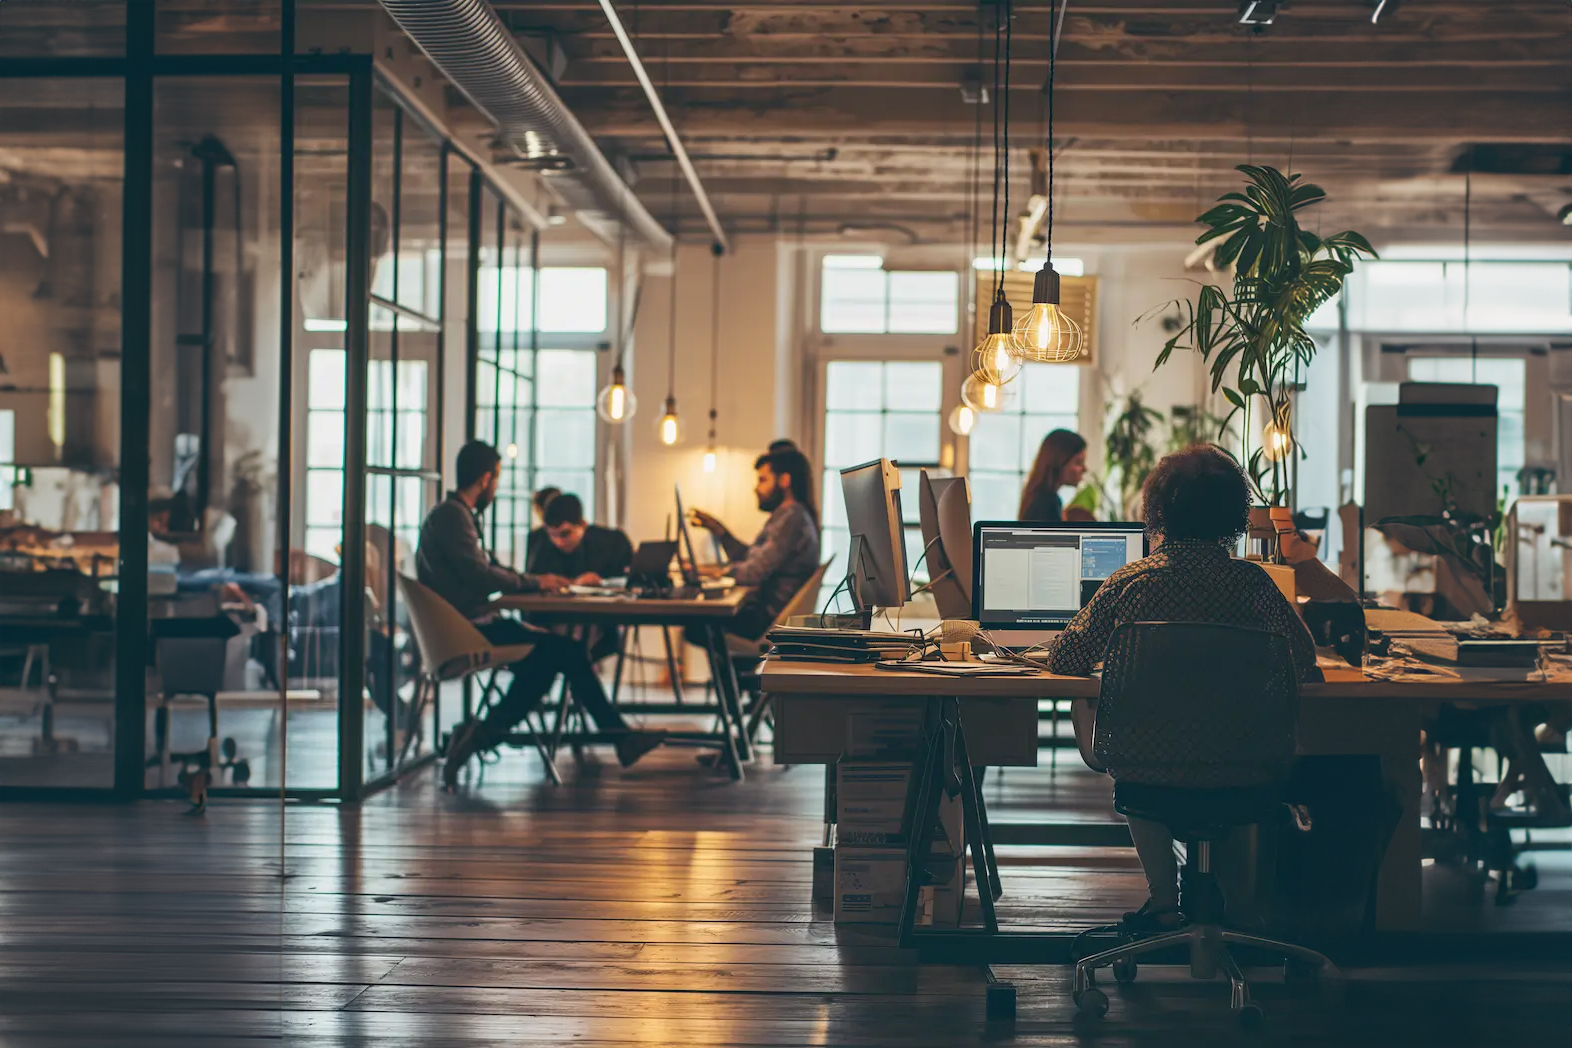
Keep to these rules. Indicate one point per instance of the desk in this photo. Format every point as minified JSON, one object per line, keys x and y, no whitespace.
{"x":1348,"y":714}
{"x":709,"y":614}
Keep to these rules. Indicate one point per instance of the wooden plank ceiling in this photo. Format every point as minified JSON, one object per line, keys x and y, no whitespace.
{"x":833,"y":114}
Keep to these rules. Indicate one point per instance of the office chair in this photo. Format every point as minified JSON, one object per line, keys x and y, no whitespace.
{"x":747,"y":656}
{"x":451,"y":648}
{"x":1196,"y":724}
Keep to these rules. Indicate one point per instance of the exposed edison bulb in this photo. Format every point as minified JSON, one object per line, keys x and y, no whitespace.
{"x":1277,"y":440}
{"x":981,"y":395}
{"x":1046,"y":334}
{"x":616,"y":402}
{"x":962,"y":420}
{"x":513,"y":451}
{"x":994,"y":358}
{"x":668,"y":428}
{"x":709,"y":460}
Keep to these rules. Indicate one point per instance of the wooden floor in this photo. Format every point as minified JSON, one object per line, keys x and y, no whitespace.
{"x":661,"y":906}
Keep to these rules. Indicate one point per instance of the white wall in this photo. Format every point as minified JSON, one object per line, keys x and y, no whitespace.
{"x":753,"y":405}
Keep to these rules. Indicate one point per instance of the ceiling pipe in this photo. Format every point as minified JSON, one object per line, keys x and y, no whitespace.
{"x":479,"y":56}
{"x":678,"y":150}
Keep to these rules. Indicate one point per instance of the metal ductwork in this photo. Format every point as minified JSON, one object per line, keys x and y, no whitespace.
{"x":477,"y":53}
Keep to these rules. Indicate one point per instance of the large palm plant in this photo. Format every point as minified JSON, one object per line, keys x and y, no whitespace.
{"x":1254,"y":340}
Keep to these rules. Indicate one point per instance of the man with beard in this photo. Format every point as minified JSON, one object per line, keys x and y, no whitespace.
{"x":452,"y":561}
{"x":786,"y":551}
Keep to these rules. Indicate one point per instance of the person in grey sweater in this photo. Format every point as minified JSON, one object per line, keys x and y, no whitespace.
{"x":452,"y":561}
{"x":785,"y":553}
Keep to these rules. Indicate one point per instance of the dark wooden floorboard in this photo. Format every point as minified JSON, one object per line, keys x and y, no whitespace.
{"x":661,"y":906}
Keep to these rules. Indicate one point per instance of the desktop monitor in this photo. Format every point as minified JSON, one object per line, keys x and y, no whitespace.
{"x":876,"y":563}
{"x":944,"y":509}
{"x":686,"y":562}
{"x":1036,"y":577}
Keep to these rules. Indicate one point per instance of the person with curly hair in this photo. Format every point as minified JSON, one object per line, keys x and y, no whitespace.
{"x":1197,"y":506}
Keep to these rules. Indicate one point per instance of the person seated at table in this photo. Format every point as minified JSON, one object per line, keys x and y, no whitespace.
{"x":539,"y":501}
{"x":587,"y":554}
{"x":1197,"y":506}
{"x":786,"y":551}
{"x":452,"y":561}
{"x":567,"y":545}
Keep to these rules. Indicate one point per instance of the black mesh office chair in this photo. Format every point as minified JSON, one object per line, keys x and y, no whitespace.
{"x":1196,"y":722}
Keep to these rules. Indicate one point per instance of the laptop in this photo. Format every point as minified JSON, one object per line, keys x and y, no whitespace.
{"x":1030,"y":580}
{"x":651,"y":565}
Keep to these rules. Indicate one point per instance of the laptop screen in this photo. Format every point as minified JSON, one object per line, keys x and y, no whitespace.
{"x":1039,"y":575}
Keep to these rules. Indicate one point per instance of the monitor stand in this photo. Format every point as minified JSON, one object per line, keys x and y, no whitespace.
{"x":856,"y":571}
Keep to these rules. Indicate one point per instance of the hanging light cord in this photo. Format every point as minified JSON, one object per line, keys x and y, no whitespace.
{"x":993,"y":228}
{"x":714,"y":338}
{"x":1056,"y":27}
{"x":676,"y":230}
{"x":1004,"y":226}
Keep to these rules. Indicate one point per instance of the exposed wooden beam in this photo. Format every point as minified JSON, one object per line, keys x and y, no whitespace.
{"x":767,"y":76}
{"x":1439,"y":116}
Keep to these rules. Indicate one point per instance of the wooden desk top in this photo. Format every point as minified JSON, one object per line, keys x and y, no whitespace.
{"x":723,"y":605}
{"x":790,"y":678}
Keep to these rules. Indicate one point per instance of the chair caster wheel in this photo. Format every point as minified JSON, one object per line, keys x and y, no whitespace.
{"x":1251,"y":1016}
{"x":1001,"y":1001}
{"x":1092,"y":1002}
{"x":1124,"y":970}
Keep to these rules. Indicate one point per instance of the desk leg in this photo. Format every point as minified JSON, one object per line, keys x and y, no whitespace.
{"x":1391,"y":731}
{"x":946,"y":745}
{"x":731,"y":725}
{"x":671,"y":664}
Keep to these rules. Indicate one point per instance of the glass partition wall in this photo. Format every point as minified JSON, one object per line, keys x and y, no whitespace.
{"x":264,"y":428}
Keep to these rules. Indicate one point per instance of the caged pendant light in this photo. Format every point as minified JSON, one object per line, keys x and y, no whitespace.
{"x":1045,"y":333}
{"x":993,"y":362}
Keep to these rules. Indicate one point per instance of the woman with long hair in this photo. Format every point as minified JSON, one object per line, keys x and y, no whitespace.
{"x":1061,"y":462}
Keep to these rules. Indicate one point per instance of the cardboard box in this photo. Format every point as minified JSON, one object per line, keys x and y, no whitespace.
{"x":870,"y":887}
{"x":870,"y":806}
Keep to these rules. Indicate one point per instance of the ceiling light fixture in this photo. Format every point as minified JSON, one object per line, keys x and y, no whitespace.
{"x":616,"y":402}
{"x":962,"y":420}
{"x":1045,"y":333}
{"x":993,"y":360}
{"x":668,"y":427}
{"x":715,"y":253}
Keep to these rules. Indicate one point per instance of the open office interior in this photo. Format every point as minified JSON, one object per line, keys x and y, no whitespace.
{"x":799,"y":523}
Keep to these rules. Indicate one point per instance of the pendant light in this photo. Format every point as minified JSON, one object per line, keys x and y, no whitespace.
{"x":616,"y":403}
{"x":716,"y":250}
{"x":1045,"y":333}
{"x":669,"y":427}
{"x":993,"y":363}
{"x":963,"y":419}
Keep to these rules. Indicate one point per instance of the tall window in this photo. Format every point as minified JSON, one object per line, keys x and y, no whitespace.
{"x":534,"y":382}
{"x":325,"y":453}
{"x":1003,"y":445}
{"x":1507,"y":375}
{"x":858,"y":296}
{"x":7,"y":456}
{"x":878,"y":409}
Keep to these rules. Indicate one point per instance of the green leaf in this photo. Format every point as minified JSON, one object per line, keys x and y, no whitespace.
{"x":1234,"y":398}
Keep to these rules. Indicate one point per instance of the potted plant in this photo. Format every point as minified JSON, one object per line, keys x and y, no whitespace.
{"x":1253,"y":337}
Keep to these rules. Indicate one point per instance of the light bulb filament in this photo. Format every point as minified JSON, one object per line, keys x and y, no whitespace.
{"x":618,"y":403}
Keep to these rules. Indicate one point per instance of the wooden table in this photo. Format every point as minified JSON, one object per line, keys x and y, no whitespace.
{"x":1348,"y":714}
{"x":709,"y":614}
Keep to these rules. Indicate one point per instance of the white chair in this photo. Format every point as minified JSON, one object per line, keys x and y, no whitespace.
{"x":451,"y":648}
